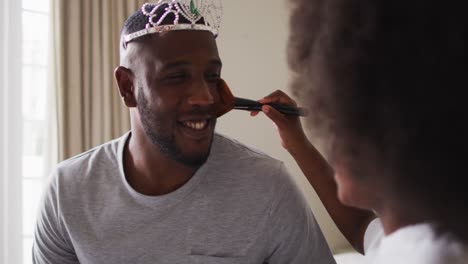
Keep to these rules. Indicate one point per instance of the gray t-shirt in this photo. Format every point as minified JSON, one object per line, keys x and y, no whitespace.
{"x":241,"y":206}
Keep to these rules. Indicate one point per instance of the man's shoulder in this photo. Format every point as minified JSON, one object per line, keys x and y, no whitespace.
{"x":93,"y":160}
{"x":242,"y":163}
{"x":108,"y":149}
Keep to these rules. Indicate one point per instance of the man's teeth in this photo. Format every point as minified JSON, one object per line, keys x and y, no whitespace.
{"x":197,"y":125}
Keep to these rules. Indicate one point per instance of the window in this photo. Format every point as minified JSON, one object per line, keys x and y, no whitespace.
{"x":23,"y":110}
{"x":35,"y":40}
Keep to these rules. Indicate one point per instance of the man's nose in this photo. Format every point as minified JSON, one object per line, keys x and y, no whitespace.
{"x":201,"y":94}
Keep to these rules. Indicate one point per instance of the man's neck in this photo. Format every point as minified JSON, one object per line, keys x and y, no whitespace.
{"x":151,"y":172}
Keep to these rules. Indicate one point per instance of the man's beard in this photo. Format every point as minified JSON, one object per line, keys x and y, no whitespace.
{"x":163,"y":139}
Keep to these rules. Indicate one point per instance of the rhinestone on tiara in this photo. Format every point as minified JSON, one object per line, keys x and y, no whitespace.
{"x":192,"y":10}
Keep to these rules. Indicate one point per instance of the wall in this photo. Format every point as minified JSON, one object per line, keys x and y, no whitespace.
{"x":252,"y":45}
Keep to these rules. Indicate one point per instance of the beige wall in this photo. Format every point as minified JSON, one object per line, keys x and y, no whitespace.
{"x":252,"y":44}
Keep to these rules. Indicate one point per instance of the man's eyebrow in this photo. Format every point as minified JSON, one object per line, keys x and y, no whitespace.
{"x":175,"y":64}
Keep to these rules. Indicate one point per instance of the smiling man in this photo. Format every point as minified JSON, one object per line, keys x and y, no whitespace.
{"x":172,"y":190}
{"x":169,"y":81}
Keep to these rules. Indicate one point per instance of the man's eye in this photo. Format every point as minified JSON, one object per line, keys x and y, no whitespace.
{"x":176,"y":76}
{"x":213,"y":76}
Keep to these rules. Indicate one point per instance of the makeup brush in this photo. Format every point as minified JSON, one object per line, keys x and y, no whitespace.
{"x":228,"y":102}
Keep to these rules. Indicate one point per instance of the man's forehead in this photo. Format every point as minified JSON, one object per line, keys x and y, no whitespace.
{"x":179,"y":43}
{"x":176,"y":48}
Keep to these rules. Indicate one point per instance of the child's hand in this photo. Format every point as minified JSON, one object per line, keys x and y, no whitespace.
{"x":290,"y":129}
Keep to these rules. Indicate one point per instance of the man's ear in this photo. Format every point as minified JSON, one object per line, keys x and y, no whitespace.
{"x":124,"y":78}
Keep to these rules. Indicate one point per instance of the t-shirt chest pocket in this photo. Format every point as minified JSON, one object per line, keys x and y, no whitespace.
{"x":223,"y":240}
{"x":225,"y":234}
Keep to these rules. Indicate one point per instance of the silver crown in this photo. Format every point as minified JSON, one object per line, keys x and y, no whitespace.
{"x":192,"y":10}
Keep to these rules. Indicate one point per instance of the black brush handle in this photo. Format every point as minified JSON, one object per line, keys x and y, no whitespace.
{"x":251,"y":105}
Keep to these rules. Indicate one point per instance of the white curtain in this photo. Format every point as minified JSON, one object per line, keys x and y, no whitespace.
{"x":10,"y":131}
